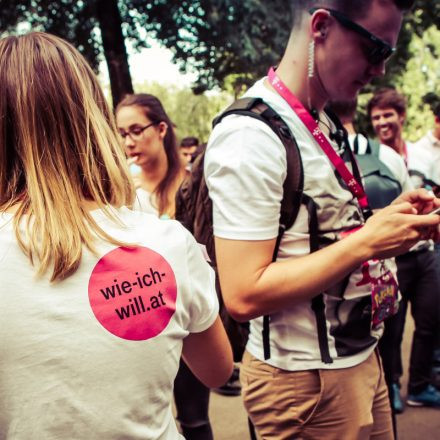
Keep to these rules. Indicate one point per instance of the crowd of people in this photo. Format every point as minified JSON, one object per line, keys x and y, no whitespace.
{"x":110,"y":306}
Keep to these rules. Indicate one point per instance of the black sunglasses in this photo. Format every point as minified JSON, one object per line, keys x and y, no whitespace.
{"x":378,"y":53}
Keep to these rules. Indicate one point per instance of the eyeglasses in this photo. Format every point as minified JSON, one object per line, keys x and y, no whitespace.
{"x":136,"y":132}
{"x":378,"y":53}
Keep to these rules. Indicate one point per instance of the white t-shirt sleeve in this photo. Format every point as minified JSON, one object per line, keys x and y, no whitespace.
{"x":245,"y":167}
{"x":203,"y":304}
{"x":424,"y":158}
{"x":397,"y":166}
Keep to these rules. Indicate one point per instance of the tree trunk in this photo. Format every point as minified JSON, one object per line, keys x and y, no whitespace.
{"x":110,"y":24}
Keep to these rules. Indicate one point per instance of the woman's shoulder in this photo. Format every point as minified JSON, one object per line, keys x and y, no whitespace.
{"x":147,"y":225}
{"x":144,"y":202}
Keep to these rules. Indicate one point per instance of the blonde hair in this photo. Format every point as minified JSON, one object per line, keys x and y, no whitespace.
{"x":58,"y":150}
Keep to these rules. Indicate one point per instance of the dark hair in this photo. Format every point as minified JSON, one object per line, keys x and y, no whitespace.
{"x":344,"y":110}
{"x":189,"y":141}
{"x":156,"y":113}
{"x":387,"y":97}
{"x":433,"y":101}
{"x":351,"y":8}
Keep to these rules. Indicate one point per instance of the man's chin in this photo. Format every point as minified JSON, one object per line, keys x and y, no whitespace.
{"x":348,"y":94}
{"x":384,"y":140}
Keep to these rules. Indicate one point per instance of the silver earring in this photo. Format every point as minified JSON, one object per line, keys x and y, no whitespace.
{"x":311,"y":66}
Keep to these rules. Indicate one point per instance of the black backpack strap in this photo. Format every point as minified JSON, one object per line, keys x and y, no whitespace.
{"x":293,"y":184}
{"x":356,"y":144}
{"x":244,"y":107}
{"x":318,"y":305}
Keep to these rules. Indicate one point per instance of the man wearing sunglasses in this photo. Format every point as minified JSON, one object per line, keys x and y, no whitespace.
{"x":311,"y":369}
{"x":376,"y":50}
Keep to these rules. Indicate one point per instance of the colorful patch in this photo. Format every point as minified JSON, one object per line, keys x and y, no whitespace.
{"x":384,"y":293}
{"x":132,"y":292}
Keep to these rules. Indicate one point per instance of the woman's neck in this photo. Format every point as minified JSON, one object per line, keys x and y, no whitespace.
{"x":153,"y":172}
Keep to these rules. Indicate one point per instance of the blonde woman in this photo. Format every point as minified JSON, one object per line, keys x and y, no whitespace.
{"x":150,"y":144}
{"x":98,"y":301}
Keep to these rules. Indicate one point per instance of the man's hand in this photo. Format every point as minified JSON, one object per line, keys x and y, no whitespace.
{"x":422,"y":201}
{"x":395,"y":229}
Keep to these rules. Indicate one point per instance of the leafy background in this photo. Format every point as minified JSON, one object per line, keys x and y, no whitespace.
{"x":226,"y":43}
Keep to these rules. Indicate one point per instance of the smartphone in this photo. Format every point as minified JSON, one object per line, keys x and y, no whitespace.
{"x":435,"y":211}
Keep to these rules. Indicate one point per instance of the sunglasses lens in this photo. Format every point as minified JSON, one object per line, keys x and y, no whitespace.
{"x":378,"y":55}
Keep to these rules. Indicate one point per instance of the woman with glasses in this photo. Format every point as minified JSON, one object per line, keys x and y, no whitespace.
{"x":98,"y":301}
{"x":150,"y":144}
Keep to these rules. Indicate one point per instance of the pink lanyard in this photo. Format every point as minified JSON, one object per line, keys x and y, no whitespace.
{"x":405,"y":154}
{"x":306,"y":118}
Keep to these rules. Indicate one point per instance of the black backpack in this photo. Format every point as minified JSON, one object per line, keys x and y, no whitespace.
{"x":380,"y":184}
{"x":194,"y":207}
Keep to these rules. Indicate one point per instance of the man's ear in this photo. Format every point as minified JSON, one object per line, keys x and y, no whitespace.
{"x":320,"y":24}
{"x":402,"y":118}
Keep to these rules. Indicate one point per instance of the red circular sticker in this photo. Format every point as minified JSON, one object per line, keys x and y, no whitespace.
{"x":132,"y":292}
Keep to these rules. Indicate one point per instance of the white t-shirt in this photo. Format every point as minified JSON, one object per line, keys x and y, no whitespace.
{"x":143,"y":202}
{"x":245,"y":167}
{"x":425,"y":157}
{"x":95,"y":356}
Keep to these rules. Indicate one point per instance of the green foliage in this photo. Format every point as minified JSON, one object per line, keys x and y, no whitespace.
{"x":426,"y":14}
{"x":192,"y":114}
{"x":219,"y":38}
{"x":228,"y":43}
{"x":421,"y":76}
{"x":77,"y":21}
{"x":71,"y":20}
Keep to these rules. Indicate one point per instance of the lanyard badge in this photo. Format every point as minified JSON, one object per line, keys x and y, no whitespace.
{"x":384,"y":292}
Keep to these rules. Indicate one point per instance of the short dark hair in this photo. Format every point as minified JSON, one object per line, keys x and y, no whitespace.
{"x":189,"y":141}
{"x":433,"y":101}
{"x":387,"y":97}
{"x":351,"y":8}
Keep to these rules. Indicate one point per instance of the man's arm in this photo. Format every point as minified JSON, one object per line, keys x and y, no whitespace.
{"x":253,"y":285}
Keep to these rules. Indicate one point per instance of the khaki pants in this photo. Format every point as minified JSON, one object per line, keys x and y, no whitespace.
{"x":343,"y":404}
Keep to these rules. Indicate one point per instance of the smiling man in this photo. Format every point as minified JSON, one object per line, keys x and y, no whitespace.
{"x":416,"y":271}
{"x":315,"y":305}
{"x":387,"y":112}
